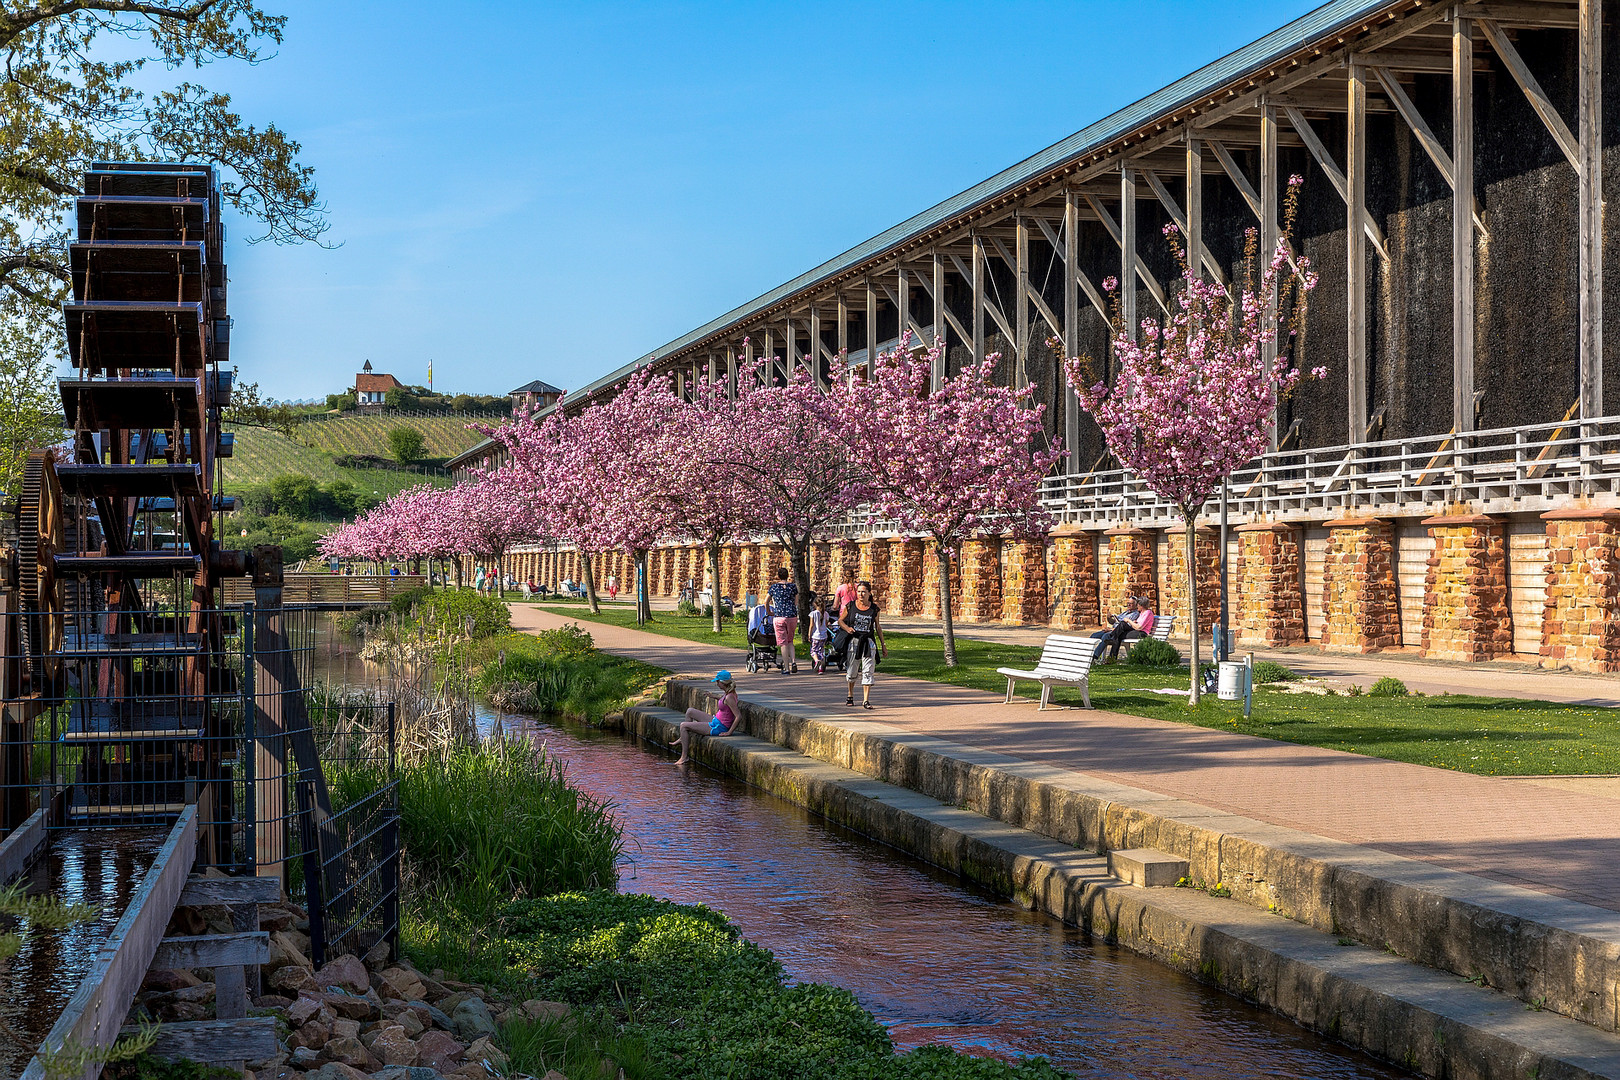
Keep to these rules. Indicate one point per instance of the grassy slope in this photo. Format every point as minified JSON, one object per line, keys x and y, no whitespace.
{"x":1489,"y":736}
{"x":446,"y":436}
{"x":262,"y":455}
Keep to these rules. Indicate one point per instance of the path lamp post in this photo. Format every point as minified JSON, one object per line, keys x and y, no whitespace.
{"x":1222,"y":643}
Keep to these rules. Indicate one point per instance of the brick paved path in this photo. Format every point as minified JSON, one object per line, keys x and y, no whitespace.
{"x":1555,"y":841}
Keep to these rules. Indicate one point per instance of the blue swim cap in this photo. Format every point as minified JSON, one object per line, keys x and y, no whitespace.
{"x":722,"y":676}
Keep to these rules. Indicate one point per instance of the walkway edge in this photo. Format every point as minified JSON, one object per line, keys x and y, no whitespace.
{"x":1549,"y":952}
{"x":1426,"y":1020}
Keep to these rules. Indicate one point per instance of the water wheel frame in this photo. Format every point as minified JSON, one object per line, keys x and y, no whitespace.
{"x":41,"y":536}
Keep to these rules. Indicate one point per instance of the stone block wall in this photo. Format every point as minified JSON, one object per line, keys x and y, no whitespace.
{"x":1074,"y":581}
{"x":821,"y":568}
{"x":1580,"y":626}
{"x":730,"y":571}
{"x":1024,"y":596}
{"x":1465,"y":599}
{"x":1206,"y":549}
{"x":747,"y":571}
{"x":1360,"y":611}
{"x":930,"y":589}
{"x":875,"y":568}
{"x":1130,"y":569}
{"x":847,"y":561}
{"x":981,"y":579}
{"x":906,"y":576}
{"x":1270,"y":609}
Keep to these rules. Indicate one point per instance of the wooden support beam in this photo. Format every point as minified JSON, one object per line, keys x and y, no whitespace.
{"x":910,"y":323}
{"x":1356,"y":257}
{"x":1173,"y":208}
{"x":213,"y":950}
{"x":1425,"y":134}
{"x":1071,"y":314}
{"x":207,"y":892}
{"x":1589,"y":51}
{"x":249,"y":1038}
{"x":1539,"y":101}
{"x":942,"y":309}
{"x":1128,"y":264}
{"x":1269,"y":235}
{"x":1229,"y":166}
{"x":1116,"y":231}
{"x":1193,"y":226}
{"x":1462,"y":228}
{"x":843,"y":328}
{"x":1331,"y":167}
{"x":901,"y":298}
{"x":21,"y":845}
{"x":990,"y":306}
{"x":1021,"y":297}
{"x":871,"y":325}
{"x":977,"y":278}
{"x":936,"y":376}
{"x":1070,"y":247}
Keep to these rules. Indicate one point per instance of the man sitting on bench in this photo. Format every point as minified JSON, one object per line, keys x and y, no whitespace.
{"x":1139,"y":620}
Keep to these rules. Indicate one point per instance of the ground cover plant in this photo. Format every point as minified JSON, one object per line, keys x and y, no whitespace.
{"x":1484,"y":735}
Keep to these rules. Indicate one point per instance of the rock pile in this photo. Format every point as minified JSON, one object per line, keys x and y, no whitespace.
{"x":356,"y":1018}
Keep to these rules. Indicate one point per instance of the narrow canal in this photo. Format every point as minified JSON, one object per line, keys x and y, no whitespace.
{"x":935,"y":959}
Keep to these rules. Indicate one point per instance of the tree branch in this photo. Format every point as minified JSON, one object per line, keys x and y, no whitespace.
{"x":40,"y":177}
{"x":14,"y":24}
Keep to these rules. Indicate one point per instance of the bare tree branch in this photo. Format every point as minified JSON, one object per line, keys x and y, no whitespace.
{"x":15,"y":23}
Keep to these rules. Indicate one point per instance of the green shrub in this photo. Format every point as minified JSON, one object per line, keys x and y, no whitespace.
{"x":1270,"y":671}
{"x":402,"y":603}
{"x":487,"y":823}
{"x":1388,"y":686}
{"x":706,"y":1002}
{"x":568,"y":642}
{"x":686,"y":607}
{"x":407,"y":445}
{"x":356,"y":622}
{"x":449,"y":611}
{"x":1151,"y":653}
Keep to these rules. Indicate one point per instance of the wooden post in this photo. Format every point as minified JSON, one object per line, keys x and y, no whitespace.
{"x":1590,"y":109}
{"x":815,"y":348}
{"x":978,"y":297}
{"x":940,"y":338}
{"x":768,"y":376}
{"x":871,"y":325}
{"x":1462,"y":224}
{"x":1127,"y":249}
{"x":843,"y":330}
{"x":1071,"y":318}
{"x":1356,"y":254}
{"x":1195,"y":202}
{"x":902,"y":296}
{"x":731,"y":371}
{"x":1021,"y":323}
{"x":1268,"y":233}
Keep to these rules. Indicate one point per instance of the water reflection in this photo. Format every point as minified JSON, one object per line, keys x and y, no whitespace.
{"x":101,"y":867}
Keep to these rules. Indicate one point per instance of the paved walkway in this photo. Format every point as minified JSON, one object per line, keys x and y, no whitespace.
{"x":1549,"y":839}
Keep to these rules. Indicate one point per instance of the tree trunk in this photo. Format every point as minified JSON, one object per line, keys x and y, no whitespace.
{"x":714,"y":586}
{"x":943,"y":553}
{"x":1192,"y":596}
{"x":590,"y":584}
{"x":500,"y":574}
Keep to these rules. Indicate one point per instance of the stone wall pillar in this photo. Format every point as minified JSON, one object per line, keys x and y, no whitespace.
{"x":747,"y":571}
{"x":1360,"y":610}
{"x":847,"y":561}
{"x":1024,"y":596}
{"x":1270,"y":609}
{"x":1465,"y":603}
{"x":1130,"y":569}
{"x":981,"y":579}
{"x":930,"y":589}
{"x":1074,"y":585}
{"x":906,"y":576}
{"x":1206,"y":548}
{"x":730,"y":572}
{"x":685,"y":567}
{"x":1580,"y":627}
{"x":875,"y":568}
{"x":821,"y":568}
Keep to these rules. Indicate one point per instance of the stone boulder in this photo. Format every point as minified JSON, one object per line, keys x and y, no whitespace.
{"x":439,"y":1050}
{"x":346,"y":973}
{"x":472,"y":1019}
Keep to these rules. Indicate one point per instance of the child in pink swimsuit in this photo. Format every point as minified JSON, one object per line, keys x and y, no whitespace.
{"x":698,"y":722}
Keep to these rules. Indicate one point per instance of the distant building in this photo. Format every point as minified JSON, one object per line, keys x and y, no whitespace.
{"x":371,"y":389}
{"x":538,"y":394}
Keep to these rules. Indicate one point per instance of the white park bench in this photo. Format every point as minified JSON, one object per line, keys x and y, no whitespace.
{"x":1064,"y":659}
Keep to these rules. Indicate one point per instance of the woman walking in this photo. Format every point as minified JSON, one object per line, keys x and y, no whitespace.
{"x":859,"y":620}
{"x":785,"y":611}
{"x":698,"y":722}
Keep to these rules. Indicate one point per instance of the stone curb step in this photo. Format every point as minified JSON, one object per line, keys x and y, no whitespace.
{"x":1426,"y":1020}
{"x":1554,"y":953}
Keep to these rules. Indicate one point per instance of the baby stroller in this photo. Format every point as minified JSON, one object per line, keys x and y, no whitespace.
{"x":762,"y":651}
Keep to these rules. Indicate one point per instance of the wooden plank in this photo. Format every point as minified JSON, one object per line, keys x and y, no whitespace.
{"x":204,"y":892}
{"x":1127,"y":250}
{"x":1462,"y":228}
{"x":1117,"y":232}
{"x":21,"y":845}
{"x":95,"y":1013}
{"x":937,"y":374}
{"x":1229,"y":166}
{"x":1195,"y":251}
{"x":1022,"y":294}
{"x":1356,"y":257}
{"x":213,"y":950}
{"x":1341,"y":182}
{"x":1270,"y":231}
{"x":248,"y":1038}
{"x":1539,"y":101}
{"x":1590,"y":108}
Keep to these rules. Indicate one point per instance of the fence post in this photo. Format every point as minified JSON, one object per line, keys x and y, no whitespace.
{"x":390,"y":837}
{"x":314,"y":897}
{"x":250,"y":742}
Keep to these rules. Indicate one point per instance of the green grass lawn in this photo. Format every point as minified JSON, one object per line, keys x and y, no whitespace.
{"x":1489,"y":736}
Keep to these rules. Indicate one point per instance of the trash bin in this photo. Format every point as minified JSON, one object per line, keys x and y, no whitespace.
{"x":1231,"y":684}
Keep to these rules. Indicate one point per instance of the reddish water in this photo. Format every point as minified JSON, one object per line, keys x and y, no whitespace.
{"x":100,"y":867}
{"x":934,"y":958}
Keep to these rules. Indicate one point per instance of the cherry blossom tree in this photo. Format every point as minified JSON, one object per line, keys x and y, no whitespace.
{"x":490,"y":514}
{"x":777,"y":444}
{"x":948,"y":463}
{"x":1194,"y":398}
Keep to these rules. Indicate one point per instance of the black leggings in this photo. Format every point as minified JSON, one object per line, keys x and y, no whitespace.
{"x":1114,"y":639}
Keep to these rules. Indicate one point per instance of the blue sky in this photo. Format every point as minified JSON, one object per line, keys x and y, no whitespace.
{"x":538,"y":190}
